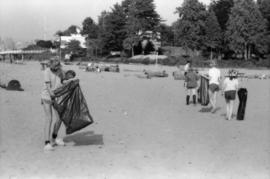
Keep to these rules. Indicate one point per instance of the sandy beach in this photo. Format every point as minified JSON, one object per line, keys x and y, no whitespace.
{"x":142,"y":130}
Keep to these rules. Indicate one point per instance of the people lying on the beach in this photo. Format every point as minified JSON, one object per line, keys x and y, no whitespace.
{"x":53,"y":76}
{"x":229,"y":88}
{"x":191,"y":84}
{"x":214,"y":82}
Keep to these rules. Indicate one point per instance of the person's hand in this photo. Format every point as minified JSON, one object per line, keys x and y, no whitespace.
{"x":222,"y":93}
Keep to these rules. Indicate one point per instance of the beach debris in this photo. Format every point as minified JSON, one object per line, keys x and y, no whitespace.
{"x":178,"y":75}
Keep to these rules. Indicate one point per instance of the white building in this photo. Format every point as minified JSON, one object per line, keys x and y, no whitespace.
{"x":66,"y":39}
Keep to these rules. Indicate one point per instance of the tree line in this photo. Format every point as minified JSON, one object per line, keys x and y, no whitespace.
{"x":224,"y":29}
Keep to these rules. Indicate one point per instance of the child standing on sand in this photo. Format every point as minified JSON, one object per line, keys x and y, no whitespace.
{"x":191,"y":84}
{"x":230,"y":86}
{"x":52,"y":80}
{"x":214,"y":81}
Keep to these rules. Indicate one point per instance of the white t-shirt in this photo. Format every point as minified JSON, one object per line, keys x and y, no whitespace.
{"x":186,"y":68}
{"x":214,"y":75}
{"x":53,"y":79}
{"x":229,"y":85}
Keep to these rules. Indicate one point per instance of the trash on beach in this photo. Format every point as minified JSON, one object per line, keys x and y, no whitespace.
{"x":151,"y":74}
{"x":178,"y":75}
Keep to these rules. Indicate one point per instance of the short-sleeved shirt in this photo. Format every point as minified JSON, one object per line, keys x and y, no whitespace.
{"x":53,"y":79}
{"x":186,"y":68}
{"x":214,"y":76}
{"x":230,"y":85}
{"x":191,"y":79}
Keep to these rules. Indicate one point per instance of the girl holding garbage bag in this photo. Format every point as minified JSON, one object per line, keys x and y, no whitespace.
{"x":53,"y":77}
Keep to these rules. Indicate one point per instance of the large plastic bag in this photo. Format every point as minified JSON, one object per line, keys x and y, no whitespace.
{"x":72,"y":107}
{"x":203,"y":91}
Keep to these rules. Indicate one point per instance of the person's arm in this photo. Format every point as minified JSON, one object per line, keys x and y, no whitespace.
{"x":48,"y":85}
{"x":224,"y":84}
{"x":47,"y":80}
{"x":236,"y":84}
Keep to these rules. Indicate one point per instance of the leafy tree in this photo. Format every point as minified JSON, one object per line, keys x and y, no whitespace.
{"x":90,"y":28}
{"x":246,"y":28}
{"x":222,"y":9}
{"x":264,"y":6}
{"x":44,"y":43}
{"x":130,"y":42}
{"x":190,"y":27}
{"x":75,"y":48}
{"x":112,"y":26}
{"x":213,"y":34}
{"x":141,"y":16}
{"x":167,"y":35}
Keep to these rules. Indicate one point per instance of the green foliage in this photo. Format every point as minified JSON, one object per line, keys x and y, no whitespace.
{"x":213,"y":34}
{"x":71,"y":30}
{"x":89,"y":28}
{"x":246,"y":28}
{"x":222,"y":9}
{"x":167,"y":35}
{"x":45,"y":44}
{"x":190,"y":27}
{"x":264,"y":6}
{"x":112,"y":27}
{"x":142,"y":16}
{"x":74,"y":48}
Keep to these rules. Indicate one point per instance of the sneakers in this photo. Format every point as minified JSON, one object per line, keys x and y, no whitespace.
{"x":59,"y":142}
{"x":48,"y":147}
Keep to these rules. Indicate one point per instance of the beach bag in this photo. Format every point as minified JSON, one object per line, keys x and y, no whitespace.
{"x":14,"y":85}
{"x":72,"y":107}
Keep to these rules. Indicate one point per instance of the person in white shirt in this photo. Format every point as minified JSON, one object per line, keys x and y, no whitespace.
{"x":230,"y":86}
{"x":214,"y":81}
{"x":187,"y":67}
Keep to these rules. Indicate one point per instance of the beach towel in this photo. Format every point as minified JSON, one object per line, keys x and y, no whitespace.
{"x":72,"y":107}
{"x":203,"y":96}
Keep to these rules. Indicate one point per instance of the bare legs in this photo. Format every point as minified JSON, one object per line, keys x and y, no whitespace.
{"x":213,"y":99}
{"x":191,"y":92}
{"x":48,"y":121}
{"x":48,"y":109}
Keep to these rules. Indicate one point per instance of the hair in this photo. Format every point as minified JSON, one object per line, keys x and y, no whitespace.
{"x":71,"y":72}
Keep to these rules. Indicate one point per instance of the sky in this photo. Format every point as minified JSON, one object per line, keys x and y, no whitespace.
{"x":28,"y":20}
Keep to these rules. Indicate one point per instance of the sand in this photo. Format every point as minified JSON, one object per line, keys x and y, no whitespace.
{"x":142,"y":130}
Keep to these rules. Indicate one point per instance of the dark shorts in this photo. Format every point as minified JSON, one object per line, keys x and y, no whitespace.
{"x":214,"y":87}
{"x":230,"y":95}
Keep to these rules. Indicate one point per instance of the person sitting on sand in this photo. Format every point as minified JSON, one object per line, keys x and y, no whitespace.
{"x":52,"y":80}
{"x":191,"y":84}
{"x":214,"y":81}
{"x":230,"y":86}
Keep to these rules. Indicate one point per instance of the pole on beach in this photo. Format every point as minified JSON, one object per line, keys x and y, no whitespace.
{"x":60,"y":48}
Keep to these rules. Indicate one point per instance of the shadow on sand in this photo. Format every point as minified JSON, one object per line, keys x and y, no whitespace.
{"x":85,"y":138}
{"x":208,"y":109}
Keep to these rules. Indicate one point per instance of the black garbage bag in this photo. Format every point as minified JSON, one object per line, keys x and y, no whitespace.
{"x":203,"y":96}
{"x":72,"y":107}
